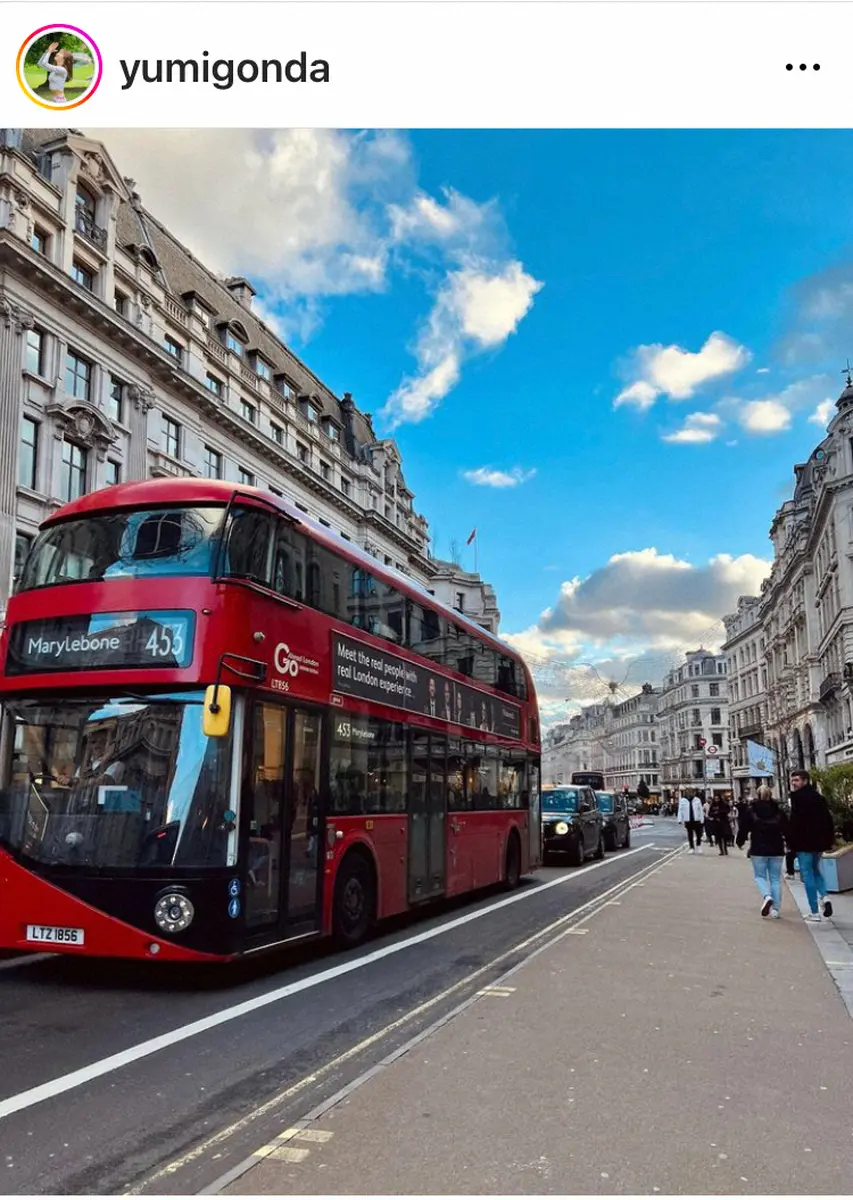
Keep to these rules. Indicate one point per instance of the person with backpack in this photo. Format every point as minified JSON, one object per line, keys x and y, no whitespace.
{"x":812,"y":833}
{"x":766,"y":826}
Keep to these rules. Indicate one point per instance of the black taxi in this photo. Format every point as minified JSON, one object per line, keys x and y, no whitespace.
{"x":616,"y":819}
{"x":571,"y":823}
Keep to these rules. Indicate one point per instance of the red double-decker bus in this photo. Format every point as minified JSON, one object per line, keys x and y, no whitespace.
{"x":225,"y":728}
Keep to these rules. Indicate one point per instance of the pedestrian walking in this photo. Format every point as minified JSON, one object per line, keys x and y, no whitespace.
{"x":765,"y":823}
{"x":692,"y":816}
{"x":708,"y":823}
{"x":812,"y":832}
{"x":719,"y":817}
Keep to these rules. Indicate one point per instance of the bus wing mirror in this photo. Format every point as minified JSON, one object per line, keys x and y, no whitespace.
{"x":217,"y":711}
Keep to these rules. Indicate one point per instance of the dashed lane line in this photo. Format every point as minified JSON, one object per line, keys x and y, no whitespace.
{"x":316,"y":1076}
{"x":224,"y":1181}
{"x":115,"y":1062}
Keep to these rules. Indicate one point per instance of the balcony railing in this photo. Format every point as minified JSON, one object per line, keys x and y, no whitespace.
{"x":84,"y":223}
{"x":830,"y":686}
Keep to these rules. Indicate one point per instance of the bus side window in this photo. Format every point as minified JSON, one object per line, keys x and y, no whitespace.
{"x":250,"y":546}
{"x":288,"y":575}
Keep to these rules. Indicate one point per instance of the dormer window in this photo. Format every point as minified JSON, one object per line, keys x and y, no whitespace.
{"x":263,"y":368}
{"x":233,"y":343}
{"x":331,"y":431}
{"x":310,"y":412}
{"x":285,"y":387}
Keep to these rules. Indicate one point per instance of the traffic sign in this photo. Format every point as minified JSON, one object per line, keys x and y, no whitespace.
{"x":712,"y":749}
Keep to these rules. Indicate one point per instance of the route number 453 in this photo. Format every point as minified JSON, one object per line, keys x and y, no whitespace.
{"x":344,"y":729}
{"x":167,"y":641}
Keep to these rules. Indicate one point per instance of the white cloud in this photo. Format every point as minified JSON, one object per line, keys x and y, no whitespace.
{"x":823,"y":413}
{"x":763,"y":371}
{"x":699,"y":428}
{"x":487,"y":477}
{"x":633,"y":618}
{"x":477,"y":308}
{"x":765,"y":416}
{"x":309,"y":214}
{"x":677,"y":373}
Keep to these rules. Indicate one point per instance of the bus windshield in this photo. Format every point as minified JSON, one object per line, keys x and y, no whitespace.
{"x":560,"y":800}
{"x":125,"y":542}
{"x":115,"y":783}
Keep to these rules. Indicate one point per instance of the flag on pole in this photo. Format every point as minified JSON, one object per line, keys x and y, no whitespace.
{"x":760,"y":760}
{"x":471,"y":536}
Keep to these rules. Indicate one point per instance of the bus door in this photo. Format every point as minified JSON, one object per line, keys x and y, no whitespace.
{"x":284,"y":858}
{"x":427,"y":809}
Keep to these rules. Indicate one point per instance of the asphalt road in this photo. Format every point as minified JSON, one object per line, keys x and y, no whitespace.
{"x":88,"y":1105}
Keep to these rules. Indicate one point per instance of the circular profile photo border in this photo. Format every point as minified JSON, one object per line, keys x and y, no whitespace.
{"x":59,"y":29}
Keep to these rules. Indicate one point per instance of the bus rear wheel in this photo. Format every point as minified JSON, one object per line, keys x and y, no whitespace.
{"x":512,"y":868}
{"x":354,"y":910}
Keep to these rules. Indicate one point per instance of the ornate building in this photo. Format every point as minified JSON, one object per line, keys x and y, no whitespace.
{"x":123,"y":357}
{"x":747,"y":676}
{"x":694,"y":727}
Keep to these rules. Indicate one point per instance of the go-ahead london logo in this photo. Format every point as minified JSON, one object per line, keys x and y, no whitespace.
{"x":59,"y":66}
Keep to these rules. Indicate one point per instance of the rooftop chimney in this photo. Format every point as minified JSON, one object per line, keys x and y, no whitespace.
{"x":242,"y":291}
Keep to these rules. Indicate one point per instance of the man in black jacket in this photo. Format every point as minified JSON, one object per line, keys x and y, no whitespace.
{"x":811,"y":833}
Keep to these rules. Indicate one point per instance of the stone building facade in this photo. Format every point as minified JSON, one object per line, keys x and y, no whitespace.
{"x":123,"y":357}
{"x":805,"y":612}
{"x":694,"y":709}
{"x":747,"y":677}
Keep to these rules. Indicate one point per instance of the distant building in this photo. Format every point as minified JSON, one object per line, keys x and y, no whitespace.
{"x":467,"y":593}
{"x":694,"y":727}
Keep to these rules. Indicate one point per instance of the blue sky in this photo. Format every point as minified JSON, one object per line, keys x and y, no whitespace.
{"x":489,"y":296}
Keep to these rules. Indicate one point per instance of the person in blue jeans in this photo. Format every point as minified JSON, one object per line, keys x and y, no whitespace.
{"x":766,"y":825}
{"x":812,"y":833}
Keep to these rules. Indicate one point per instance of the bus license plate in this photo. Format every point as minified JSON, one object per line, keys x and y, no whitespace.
{"x":57,"y":934}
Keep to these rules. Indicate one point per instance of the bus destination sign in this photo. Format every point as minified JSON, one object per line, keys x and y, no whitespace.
{"x":370,"y":674}
{"x":100,"y":641}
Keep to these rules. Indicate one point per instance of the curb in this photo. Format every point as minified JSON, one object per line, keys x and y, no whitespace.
{"x":837,"y":955}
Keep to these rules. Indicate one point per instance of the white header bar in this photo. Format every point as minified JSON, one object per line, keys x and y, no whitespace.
{"x":416,"y":65}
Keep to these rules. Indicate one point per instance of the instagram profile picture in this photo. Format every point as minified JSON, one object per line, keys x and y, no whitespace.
{"x":59,"y":66}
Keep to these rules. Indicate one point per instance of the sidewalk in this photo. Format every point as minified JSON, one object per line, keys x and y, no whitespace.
{"x":675,"y":1043}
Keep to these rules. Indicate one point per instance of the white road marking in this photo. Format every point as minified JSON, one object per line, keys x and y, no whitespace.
{"x":219,"y":1185}
{"x":103,"y":1066}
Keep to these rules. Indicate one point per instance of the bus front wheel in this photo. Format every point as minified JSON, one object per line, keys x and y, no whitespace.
{"x":355,"y":900}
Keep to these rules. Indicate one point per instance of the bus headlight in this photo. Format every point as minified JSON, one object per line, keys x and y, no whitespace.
{"x":561,"y":829}
{"x":174,"y":912}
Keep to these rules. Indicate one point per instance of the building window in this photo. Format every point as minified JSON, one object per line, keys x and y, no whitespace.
{"x":694,"y":690}
{"x":263,"y":368}
{"x":715,"y":716}
{"x":34,"y":356}
{"x":112,"y":473}
{"x":115,"y":401}
{"x":233,"y":343}
{"x":212,"y":463}
{"x":23,"y":541}
{"x":174,"y":348}
{"x":325,"y":471}
{"x":83,"y":276}
{"x":287,"y":389}
{"x":460,"y":601}
{"x":248,"y":412}
{"x":713,"y":689}
{"x":346,"y":486}
{"x":39,"y":241}
{"x":276,"y":433}
{"x":246,"y":477}
{"x":171,"y":437}
{"x":332,"y":432}
{"x":214,"y":385}
{"x":28,"y":454}
{"x":302,"y":453}
{"x":121,"y":304}
{"x":310,"y":412}
{"x":78,"y":376}
{"x":73,"y":471}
